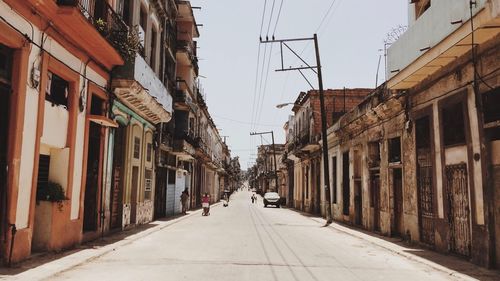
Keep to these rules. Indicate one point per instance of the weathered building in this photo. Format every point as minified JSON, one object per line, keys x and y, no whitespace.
{"x":56,"y":58}
{"x":417,"y":158}
{"x":268,"y":158}
{"x":304,"y":149}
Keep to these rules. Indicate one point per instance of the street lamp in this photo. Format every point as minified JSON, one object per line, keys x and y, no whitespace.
{"x":281,"y":105}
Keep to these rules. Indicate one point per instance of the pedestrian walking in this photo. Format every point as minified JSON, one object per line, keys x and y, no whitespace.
{"x":184,"y":200}
{"x":252,"y":198}
{"x":205,"y":203}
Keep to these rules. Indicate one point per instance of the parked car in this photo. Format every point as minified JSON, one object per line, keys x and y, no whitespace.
{"x":272,"y":198}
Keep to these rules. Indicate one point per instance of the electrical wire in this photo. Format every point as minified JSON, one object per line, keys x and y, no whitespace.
{"x":256,"y":98}
{"x":278,"y":18}
{"x":50,"y":54}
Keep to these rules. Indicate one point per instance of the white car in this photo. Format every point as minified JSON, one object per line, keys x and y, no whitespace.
{"x":272,"y":198}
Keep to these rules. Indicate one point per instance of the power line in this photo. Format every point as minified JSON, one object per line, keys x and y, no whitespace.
{"x":270,"y":19}
{"x":255,"y":98}
{"x":277,"y":20}
{"x":244,"y":122}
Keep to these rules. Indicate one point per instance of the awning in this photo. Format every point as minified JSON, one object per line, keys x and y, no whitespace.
{"x":102,"y":120}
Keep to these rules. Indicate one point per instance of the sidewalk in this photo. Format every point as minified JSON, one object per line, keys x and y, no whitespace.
{"x":43,"y":266}
{"x":454,"y":266}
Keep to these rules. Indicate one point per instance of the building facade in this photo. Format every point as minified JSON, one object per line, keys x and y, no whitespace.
{"x":418,"y":157}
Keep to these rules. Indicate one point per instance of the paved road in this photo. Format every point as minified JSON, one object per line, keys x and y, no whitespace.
{"x":249,"y":242}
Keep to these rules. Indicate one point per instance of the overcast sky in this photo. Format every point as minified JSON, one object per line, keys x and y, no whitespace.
{"x":350,"y":37}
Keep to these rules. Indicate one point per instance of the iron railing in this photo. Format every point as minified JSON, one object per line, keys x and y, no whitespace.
{"x":100,"y":14}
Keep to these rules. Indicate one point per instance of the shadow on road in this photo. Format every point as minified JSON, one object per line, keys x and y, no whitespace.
{"x":400,"y":245}
{"x":38,"y":259}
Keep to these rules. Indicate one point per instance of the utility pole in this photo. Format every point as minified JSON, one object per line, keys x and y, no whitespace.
{"x":274,"y":155}
{"x":316,"y":69}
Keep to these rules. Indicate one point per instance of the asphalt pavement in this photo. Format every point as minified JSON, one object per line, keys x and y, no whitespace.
{"x":244,"y":241}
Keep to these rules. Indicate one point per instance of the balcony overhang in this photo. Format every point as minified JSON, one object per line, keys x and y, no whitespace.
{"x":448,"y":50}
{"x":311,"y":147}
{"x":184,"y":148}
{"x":136,"y":97}
{"x":77,"y":29}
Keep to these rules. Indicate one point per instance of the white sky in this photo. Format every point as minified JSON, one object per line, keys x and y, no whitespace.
{"x":349,"y":40}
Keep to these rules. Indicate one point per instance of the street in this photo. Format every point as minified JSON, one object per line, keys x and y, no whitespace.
{"x":249,"y":242}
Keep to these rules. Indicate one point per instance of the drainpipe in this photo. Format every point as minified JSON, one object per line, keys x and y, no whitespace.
{"x":12,"y":240}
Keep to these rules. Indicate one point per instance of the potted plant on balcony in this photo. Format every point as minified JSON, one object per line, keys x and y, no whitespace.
{"x":127,"y":41}
{"x":50,"y":213}
{"x":51,"y":192}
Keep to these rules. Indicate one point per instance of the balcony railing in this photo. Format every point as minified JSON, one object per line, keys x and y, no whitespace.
{"x":100,"y":14}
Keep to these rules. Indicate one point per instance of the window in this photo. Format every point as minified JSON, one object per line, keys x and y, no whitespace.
{"x":491,"y":111}
{"x":137,"y":148}
{"x":97,"y":106}
{"x":171,"y":177}
{"x":148,"y":185}
{"x":423,"y":133}
{"x":6,"y":55}
{"x":57,"y":90}
{"x":154,"y":39}
{"x":453,"y":124}
{"x":143,"y":20}
{"x":149,"y":151}
{"x":43,"y":172}
{"x":374,"y":154}
{"x":395,"y":150}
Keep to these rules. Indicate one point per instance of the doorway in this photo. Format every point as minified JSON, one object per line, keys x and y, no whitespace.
{"x":425,"y":179}
{"x":491,"y":119}
{"x":346,"y":192}
{"x":375,"y":198}
{"x":116,"y":220}
{"x":358,"y":192}
{"x":161,"y":192}
{"x":93,"y":186}
{"x":397,"y":189}
{"x":317,"y":180}
{"x":6,"y":56}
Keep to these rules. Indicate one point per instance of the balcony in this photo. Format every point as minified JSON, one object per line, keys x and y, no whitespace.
{"x":183,"y":98}
{"x":184,"y":145}
{"x":186,"y":54}
{"x":438,"y":37}
{"x":138,"y":86}
{"x":86,"y":22}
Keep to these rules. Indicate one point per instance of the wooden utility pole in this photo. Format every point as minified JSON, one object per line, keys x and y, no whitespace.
{"x":316,"y":69}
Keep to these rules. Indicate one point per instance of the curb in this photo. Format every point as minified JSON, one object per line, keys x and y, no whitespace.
{"x":64,"y":264}
{"x":409,"y":256}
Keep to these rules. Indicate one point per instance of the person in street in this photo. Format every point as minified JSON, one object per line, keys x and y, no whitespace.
{"x":205,"y":203}
{"x":252,"y":198}
{"x":184,"y":200}
{"x":225,"y":200}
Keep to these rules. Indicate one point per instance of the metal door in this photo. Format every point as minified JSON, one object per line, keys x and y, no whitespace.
{"x":458,"y":209}
{"x":425,"y":201}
